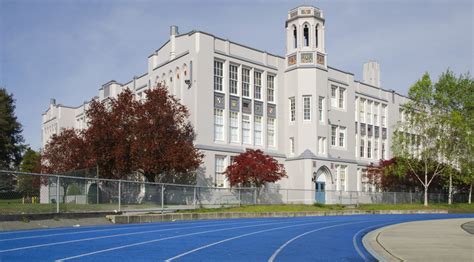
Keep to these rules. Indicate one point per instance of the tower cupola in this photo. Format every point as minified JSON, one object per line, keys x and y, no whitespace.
{"x":305,"y":37}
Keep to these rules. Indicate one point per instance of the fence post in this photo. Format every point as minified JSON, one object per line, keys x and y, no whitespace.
{"x":119,"y":195}
{"x":255,"y":196}
{"x":194,"y":198}
{"x":411,"y":197}
{"x":240,"y":196}
{"x":439,"y":198}
{"x":162,"y":197}
{"x":287,"y":197}
{"x":57,"y":195}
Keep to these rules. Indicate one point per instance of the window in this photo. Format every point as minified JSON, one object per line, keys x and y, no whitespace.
{"x":369,"y":112}
{"x":376,"y":149}
{"x":258,"y":85}
{"x":333,"y":95}
{"x":233,"y":79}
{"x":376,"y":116}
{"x":219,"y":172}
{"x":341,"y":97}
{"x":316,"y":36}
{"x":361,"y":110}
{"x":218,"y":73}
{"x":245,"y":82}
{"x":234,"y":127}
{"x":306,"y":107}
{"x":218,"y":125}
{"x":292,"y":109}
{"x":342,"y":177}
{"x":271,"y":132}
{"x":270,"y":88}
{"x":292,"y":145}
{"x":246,"y":129}
{"x":321,"y":109}
{"x":333,"y":135}
{"x":362,"y":147}
{"x":342,"y":135}
{"x":295,"y":37}
{"x":306,"y":35}
{"x":321,"y":145}
{"x":384,"y":114}
{"x":258,"y":130}
{"x":383,"y":150}
{"x":369,"y":149}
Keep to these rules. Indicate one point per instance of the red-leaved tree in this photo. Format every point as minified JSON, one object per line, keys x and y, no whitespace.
{"x":254,"y":168}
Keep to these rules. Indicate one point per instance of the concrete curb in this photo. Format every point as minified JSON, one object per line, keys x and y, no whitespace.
{"x":42,"y":216}
{"x":149,"y":218}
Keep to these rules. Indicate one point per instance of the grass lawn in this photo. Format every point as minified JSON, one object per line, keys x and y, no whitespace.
{"x":455,"y":208}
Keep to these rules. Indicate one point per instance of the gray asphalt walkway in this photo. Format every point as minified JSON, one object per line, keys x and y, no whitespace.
{"x":433,"y":240}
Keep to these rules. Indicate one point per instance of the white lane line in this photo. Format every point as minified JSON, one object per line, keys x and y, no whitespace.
{"x":237,"y":237}
{"x":354,"y":239}
{"x":111,"y":236}
{"x":275,"y":254}
{"x":103,"y":230}
{"x":165,"y":238}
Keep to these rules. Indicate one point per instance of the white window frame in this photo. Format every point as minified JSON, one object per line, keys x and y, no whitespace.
{"x":245,"y":82}
{"x":233,"y":79}
{"x":219,"y":125}
{"x":218,"y":76}
{"x":321,"y":108}
{"x":246,"y":129}
{"x":219,"y":168}
{"x":292,"y":106}
{"x":292,"y":145}
{"x":257,"y":85}
{"x":271,"y":88}
{"x":258,"y":131}
{"x":234,"y":127}
{"x":341,"y":98}
{"x":307,"y":108}
{"x":271,"y":132}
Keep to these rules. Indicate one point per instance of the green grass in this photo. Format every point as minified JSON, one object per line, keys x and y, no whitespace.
{"x":455,"y":208}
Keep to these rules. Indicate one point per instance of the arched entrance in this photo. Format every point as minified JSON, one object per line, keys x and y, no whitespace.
{"x":320,"y":178}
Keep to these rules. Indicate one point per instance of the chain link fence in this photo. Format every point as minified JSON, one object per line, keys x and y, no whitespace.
{"x":24,"y":193}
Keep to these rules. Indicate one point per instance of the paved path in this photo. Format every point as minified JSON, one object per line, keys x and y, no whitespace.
{"x":431,"y":240}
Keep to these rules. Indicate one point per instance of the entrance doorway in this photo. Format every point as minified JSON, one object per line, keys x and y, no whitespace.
{"x":320,"y":179}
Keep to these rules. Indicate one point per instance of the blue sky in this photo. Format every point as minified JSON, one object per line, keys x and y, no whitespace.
{"x":67,"y":49}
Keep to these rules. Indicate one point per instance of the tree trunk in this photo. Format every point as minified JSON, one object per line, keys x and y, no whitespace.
{"x":450,"y":193}
{"x":470,"y":194}
{"x":426,"y":190}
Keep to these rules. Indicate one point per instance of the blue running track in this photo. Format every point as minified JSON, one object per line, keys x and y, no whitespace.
{"x":331,"y":238}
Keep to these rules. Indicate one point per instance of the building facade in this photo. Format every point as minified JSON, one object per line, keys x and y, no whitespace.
{"x":318,"y":121}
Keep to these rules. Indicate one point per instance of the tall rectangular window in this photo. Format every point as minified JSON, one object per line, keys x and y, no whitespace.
{"x":292,"y":109}
{"x":245,"y":82}
{"x":376,"y":149}
{"x":342,"y":177}
{"x":383,"y":113}
{"x":333,"y":96}
{"x":342,"y":136}
{"x":376,"y":114}
{"x":246,"y":129}
{"x":234,"y":127}
{"x":292,"y":145}
{"x":321,"y":109}
{"x":257,"y":80}
{"x":218,"y":73}
{"x":271,"y":88}
{"x":341,"y":97}
{"x":333,"y":135}
{"x":306,"y":107}
{"x":218,"y":125}
{"x":271,"y":132}
{"x":361,"y":110}
{"x":258,"y":130}
{"x":369,"y":112}
{"x":219,"y":171}
{"x":362,"y":147}
{"x":233,"y":78}
{"x":384,"y":154}
{"x":369,"y":149}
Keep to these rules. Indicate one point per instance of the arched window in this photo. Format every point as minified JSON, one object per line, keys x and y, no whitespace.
{"x":306,"y":35}
{"x":316,"y":40}
{"x":295,"y":37}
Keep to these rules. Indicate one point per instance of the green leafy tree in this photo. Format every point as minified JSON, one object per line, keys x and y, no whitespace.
{"x":29,"y":185}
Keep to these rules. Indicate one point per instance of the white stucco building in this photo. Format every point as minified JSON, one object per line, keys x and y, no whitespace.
{"x":319,"y":121}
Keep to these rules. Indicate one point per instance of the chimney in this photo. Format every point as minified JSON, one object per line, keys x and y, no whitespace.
{"x":372,"y":73}
{"x":52,"y":101}
{"x":173,"y":33}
